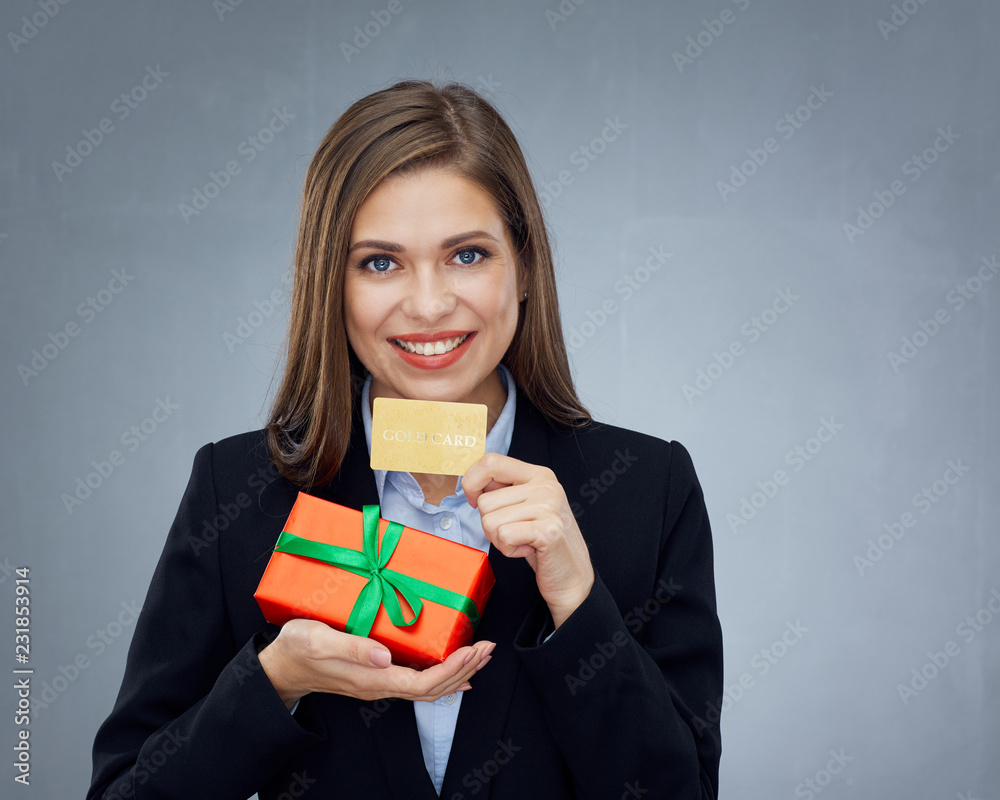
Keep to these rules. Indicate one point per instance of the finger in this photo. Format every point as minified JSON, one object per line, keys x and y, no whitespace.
{"x":503,"y":495}
{"x":497,"y":468}
{"x":467,"y":666}
{"x":544,"y":491}
{"x":461,"y":680}
{"x":522,"y":523}
{"x":322,"y":642}
{"x":463,"y":667}
{"x":518,"y":539}
{"x":440,"y":679}
{"x":361,"y":650}
{"x":410,"y":682}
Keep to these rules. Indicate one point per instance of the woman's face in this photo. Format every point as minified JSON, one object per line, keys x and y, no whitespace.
{"x":431,"y":289}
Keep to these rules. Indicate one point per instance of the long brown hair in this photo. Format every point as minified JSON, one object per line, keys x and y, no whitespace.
{"x":408,"y":126}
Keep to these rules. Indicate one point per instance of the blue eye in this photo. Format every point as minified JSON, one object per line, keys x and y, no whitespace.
{"x":382,"y":263}
{"x":377,"y":264}
{"x":468,"y":257}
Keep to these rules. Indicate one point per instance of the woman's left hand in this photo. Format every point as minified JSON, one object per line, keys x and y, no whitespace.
{"x":525,"y":514}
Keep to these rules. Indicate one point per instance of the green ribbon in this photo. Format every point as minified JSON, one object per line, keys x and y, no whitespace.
{"x":383,"y":583}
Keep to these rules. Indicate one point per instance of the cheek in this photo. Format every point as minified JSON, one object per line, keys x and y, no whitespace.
{"x":359,"y":320}
{"x":496,"y":302}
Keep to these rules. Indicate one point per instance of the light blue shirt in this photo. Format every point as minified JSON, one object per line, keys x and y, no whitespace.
{"x":402,"y":500}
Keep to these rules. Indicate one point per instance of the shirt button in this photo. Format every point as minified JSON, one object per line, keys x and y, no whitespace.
{"x":446,"y":523}
{"x":450,"y":699}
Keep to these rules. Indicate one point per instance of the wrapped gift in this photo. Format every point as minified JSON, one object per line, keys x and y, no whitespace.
{"x":416,"y":593}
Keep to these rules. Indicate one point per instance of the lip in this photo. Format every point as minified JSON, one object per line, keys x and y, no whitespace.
{"x":436,"y":361}
{"x":436,"y":336}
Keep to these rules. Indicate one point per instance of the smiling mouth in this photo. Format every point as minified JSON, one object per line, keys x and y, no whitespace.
{"x":431,"y":348}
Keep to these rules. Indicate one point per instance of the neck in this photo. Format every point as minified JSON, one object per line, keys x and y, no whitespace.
{"x":489,"y":393}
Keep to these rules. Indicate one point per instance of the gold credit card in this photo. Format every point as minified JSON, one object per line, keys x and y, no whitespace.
{"x":427,"y":436}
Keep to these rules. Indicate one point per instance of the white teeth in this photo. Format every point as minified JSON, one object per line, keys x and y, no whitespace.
{"x":432,"y":348}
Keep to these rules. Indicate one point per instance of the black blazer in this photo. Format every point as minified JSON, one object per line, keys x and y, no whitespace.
{"x":621,"y":702}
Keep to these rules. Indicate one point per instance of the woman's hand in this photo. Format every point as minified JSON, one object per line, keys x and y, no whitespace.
{"x":525,"y":514}
{"x":310,"y":656}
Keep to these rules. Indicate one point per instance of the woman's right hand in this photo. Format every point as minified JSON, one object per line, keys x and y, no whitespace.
{"x":310,"y":656}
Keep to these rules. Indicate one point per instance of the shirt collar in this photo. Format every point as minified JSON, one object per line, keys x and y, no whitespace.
{"x":497,"y":440}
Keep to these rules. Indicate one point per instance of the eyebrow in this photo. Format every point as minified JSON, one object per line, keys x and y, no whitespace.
{"x":451,"y":241}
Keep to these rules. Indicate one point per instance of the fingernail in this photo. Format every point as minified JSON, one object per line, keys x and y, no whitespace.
{"x":464,"y":687}
{"x":380,"y":658}
{"x":489,"y":649}
{"x":469,"y":657}
{"x":483,"y":663}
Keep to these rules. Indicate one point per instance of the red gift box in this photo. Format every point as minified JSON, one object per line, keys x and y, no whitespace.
{"x":346,"y":584}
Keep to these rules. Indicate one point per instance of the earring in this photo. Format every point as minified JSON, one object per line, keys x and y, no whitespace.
{"x":524,"y":296}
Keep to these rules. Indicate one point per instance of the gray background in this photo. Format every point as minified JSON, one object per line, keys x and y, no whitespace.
{"x":862,"y":629}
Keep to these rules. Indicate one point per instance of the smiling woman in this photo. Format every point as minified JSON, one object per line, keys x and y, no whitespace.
{"x":415,"y":275}
{"x":423,"y":271}
{"x":413,"y":172}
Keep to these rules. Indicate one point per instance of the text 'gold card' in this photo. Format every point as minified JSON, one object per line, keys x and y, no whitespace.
{"x":427,"y":436}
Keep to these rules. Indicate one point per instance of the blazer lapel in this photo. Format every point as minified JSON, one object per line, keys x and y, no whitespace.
{"x":483,"y":715}
{"x":354,"y":484}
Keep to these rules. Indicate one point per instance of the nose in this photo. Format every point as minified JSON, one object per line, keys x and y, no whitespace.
{"x":430,"y":295}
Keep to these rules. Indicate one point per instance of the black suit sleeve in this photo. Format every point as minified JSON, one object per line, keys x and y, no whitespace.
{"x":632,"y":712}
{"x":196,"y":715}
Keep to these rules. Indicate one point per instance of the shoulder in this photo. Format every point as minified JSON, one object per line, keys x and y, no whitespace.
{"x":237,"y":462}
{"x":249,"y":446}
{"x":599,"y":443}
{"x":598,"y":460}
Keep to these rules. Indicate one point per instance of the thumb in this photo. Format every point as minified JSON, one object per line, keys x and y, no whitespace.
{"x":380,"y":657}
{"x":328,"y":642}
{"x":366,"y":652}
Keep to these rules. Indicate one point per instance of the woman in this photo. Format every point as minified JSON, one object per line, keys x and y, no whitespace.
{"x":423,"y":271}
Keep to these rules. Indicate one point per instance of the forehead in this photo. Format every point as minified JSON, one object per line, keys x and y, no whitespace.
{"x":430,"y":203}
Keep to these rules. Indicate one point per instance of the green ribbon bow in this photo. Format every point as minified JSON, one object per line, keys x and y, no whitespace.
{"x":383,"y":583}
